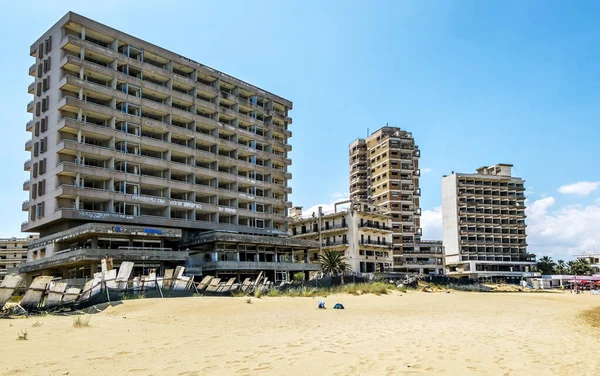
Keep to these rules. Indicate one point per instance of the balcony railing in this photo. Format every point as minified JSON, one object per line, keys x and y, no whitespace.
{"x":333,"y":244}
{"x":376,"y":243}
{"x":334,"y":227}
{"x":374,"y":225}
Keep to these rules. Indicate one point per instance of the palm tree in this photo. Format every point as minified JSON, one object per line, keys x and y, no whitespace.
{"x":546,"y":265}
{"x":581,"y":267}
{"x":562,"y":267}
{"x":332,"y":262}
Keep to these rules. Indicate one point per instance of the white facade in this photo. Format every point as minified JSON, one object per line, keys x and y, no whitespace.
{"x":593,"y":258}
{"x":362,"y":233}
{"x":483,"y":224}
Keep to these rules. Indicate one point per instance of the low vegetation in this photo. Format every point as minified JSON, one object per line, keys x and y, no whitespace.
{"x":22,"y":335}
{"x":37,"y":324}
{"x":81,"y":321}
{"x":376,"y":288}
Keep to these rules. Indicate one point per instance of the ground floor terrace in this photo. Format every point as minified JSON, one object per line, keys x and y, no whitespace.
{"x":241,"y":256}
{"x":491,"y":269}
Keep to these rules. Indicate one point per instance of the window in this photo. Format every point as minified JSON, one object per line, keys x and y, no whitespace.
{"x":34,"y":190}
{"x":42,"y":166}
{"x":40,"y":210}
{"x":44,"y":124}
{"x":32,"y":211}
{"x":45,"y":104}
{"x":36,"y":149}
{"x":43,"y":144}
{"x":38,"y":90}
{"x":35,"y":170}
{"x":47,"y":64}
{"x":41,"y":50}
{"x":41,"y":188}
{"x":37,"y":109}
{"x":39,"y":70}
{"x":48,"y":43}
{"x":36,"y":128}
{"x":46,"y":84}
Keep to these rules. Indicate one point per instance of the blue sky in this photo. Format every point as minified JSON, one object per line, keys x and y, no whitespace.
{"x":477,"y":82}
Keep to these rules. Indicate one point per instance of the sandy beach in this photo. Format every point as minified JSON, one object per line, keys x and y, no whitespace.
{"x":398,"y":334}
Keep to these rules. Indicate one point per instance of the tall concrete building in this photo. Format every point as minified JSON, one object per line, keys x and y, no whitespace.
{"x":483,"y":219}
{"x":384,"y":171}
{"x":126,"y":132}
{"x":362,"y":233}
{"x":13,"y":251}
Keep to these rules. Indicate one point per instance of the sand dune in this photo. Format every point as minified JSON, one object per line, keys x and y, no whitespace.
{"x":413,"y":334}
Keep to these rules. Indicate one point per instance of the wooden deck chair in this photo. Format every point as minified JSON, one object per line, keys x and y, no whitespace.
{"x":213,"y":284}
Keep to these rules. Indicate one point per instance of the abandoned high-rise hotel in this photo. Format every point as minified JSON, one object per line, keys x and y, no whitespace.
{"x":140,"y":154}
{"x":384,"y":171}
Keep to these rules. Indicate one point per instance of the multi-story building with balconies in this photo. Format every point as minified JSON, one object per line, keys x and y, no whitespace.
{"x":13,"y":251}
{"x":124,"y":131}
{"x":483,"y":220}
{"x":384,"y":171}
{"x":362,"y":233}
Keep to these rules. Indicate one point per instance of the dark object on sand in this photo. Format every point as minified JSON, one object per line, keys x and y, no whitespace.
{"x":338,"y":306}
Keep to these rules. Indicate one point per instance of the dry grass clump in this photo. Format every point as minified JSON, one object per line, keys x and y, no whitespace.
{"x":377,"y":288}
{"x":592,"y":317}
{"x":22,"y":336}
{"x":37,"y":324}
{"x":81,"y":321}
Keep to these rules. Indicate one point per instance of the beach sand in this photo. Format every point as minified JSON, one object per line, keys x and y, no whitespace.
{"x":410,"y":334}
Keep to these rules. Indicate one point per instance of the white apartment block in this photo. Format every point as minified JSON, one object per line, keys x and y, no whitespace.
{"x":362,"y":232}
{"x":593,"y":258}
{"x":483,"y":220}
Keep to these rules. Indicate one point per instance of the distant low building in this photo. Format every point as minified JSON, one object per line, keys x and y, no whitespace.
{"x":593,"y":258}
{"x":13,"y":251}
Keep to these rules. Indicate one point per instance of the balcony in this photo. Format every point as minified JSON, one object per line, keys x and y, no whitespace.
{"x":28,"y":145}
{"x":417,"y":192}
{"x":26,"y":185}
{"x":251,"y":265}
{"x":31,"y":88}
{"x":375,"y":243}
{"x":334,"y":227}
{"x":417,"y":172}
{"x":374,"y":226}
{"x":25,"y":205}
{"x":29,"y":126}
{"x":32,"y":69}
{"x":339,"y":243}
{"x":27,"y":165}
{"x":30,"y":107}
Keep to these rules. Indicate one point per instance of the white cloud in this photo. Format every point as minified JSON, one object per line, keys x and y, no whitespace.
{"x":425,"y":170}
{"x":431,"y":223}
{"x":562,"y":232}
{"x":583,"y":188}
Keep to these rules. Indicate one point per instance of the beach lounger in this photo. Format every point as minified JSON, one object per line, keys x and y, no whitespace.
{"x":204,"y":283}
{"x":213,"y":284}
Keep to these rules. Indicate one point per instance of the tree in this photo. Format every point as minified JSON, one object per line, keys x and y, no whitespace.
{"x":562,"y":267}
{"x":580,"y":267}
{"x":546,"y":265}
{"x":332,"y":262}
